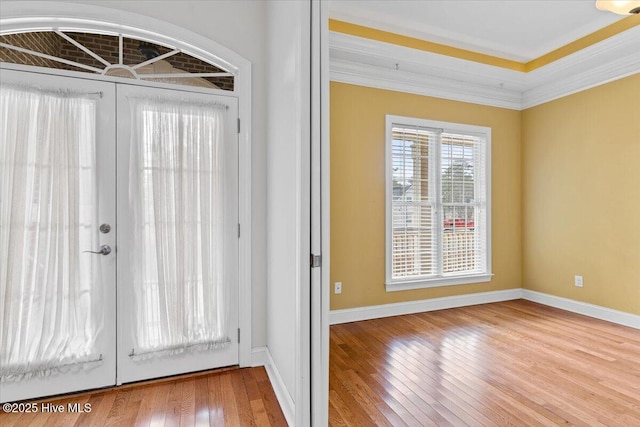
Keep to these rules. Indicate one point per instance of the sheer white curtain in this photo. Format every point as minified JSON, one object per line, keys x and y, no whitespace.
{"x":50,"y":294}
{"x":177,"y":185}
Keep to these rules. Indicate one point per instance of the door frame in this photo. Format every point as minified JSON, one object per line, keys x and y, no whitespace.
{"x":43,"y":16}
{"x":320,"y":286}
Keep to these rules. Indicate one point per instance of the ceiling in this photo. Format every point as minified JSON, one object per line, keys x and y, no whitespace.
{"x":519,"y":30}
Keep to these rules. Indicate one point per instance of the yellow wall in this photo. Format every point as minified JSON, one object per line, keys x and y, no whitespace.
{"x":358,"y":198}
{"x":581,"y":195}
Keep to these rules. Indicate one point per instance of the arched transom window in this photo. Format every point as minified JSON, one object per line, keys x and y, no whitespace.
{"x":113,"y":54}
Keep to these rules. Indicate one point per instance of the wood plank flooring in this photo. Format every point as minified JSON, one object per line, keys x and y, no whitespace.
{"x":513,"y":363}
{"x":234,"y":397}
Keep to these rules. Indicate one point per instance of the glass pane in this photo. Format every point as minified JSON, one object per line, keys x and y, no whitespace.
{"x":460,"y":237}
{"x":180,"y":288}
{"x":107,"y":47}
{"x":457,"y":169}
{"x":412,"y":210}
{"x":44,"y":42}
{"x":53,"y":291}
{"x":460,"y":251}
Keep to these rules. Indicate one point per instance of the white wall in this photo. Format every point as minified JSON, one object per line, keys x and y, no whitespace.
{"x":240,"y":26}
{"x":288,"y":142}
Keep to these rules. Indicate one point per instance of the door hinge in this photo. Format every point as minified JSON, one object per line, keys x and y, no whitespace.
{"x":238,"y":335}
{"x":316,"y":260}
{"x":238,"y":230}
{"x":238,"y":125}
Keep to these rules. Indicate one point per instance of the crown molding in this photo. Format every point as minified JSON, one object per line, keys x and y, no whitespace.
{"x":421,"y":84}
{"x":366,"y":62}
{"x":611,"y":59}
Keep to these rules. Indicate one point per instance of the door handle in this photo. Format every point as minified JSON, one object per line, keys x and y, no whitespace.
{"x":104,"y":250}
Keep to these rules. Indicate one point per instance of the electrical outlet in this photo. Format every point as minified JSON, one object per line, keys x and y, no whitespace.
{"x":577,"y":280}
{"x":337,"y":289}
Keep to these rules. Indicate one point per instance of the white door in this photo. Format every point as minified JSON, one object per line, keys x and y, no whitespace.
{"x":162,"y":328}
{"x":57,"y":187}
{"x":178,"y":232}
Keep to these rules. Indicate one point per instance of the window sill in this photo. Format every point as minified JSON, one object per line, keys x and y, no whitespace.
{"x":406,"y":285}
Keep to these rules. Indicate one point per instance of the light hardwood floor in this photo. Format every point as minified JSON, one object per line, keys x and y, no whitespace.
{"x":235,"y":397}
{"x":514,"y":363}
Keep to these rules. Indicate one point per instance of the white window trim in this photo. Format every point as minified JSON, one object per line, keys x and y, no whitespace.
{"x":449,"y":279}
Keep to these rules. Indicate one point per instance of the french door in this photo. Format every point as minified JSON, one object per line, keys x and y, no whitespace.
{"x":180,"y":229}
{"x":58,"y":172}
{"x":154,"y":241}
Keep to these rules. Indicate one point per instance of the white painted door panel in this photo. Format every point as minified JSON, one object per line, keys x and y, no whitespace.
{"x":104,"y":195}
{"x":130,"y":367}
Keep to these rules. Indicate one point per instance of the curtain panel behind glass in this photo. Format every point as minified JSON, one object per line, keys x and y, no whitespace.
{"x":177,"y":189}
{"x":50,"y":294}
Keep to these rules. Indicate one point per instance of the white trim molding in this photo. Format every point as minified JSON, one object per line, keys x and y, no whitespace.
{"x":411,"y":307}
{"x":277,"y":382}
{"x":261,"y":356}
{"x":611,"y":59}
{"x":365,"y":62}
{"x":586,"y":309}
{"x":19,"y":16}
{"x":421,"y":84}
{"x":371,"y":63}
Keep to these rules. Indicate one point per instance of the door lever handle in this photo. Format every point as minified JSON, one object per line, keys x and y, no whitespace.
{"x":104,"y":250}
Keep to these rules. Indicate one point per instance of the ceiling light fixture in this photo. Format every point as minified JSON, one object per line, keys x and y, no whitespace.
{"x":621,"y":7}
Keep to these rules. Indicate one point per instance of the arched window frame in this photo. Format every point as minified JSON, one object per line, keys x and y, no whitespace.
{"x":105,"y":66}
{"x":18,"y":17}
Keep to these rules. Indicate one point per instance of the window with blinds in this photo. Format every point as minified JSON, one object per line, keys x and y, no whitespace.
{"x":438,"y":203}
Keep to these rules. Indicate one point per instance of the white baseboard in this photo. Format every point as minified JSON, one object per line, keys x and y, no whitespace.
{"x":410,"y":307}
{"x":258,"y":356}
{"x":262,"y":354}
{"x":397,"y":309}
{"x":591,"y":310}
